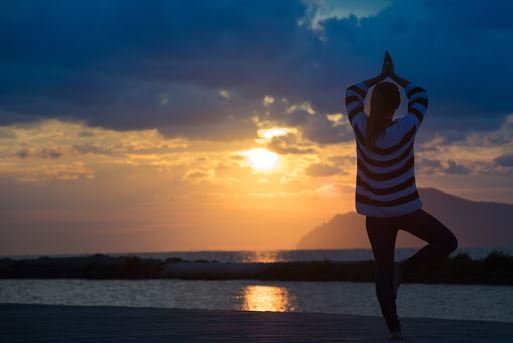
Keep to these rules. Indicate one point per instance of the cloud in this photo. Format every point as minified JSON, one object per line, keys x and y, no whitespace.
{"x":51,"y":172}
{"x":268,"y":100}
{"x":285,"y":140}
{"x":92,"y":148}
{"x":500,"y":136}
{"x":505,"y":160}
{"x":45,"y":152}
{"x":282,"y":145}
{"x":320,"y":10}
{"x":456,"y":168}
{"x":58,"y":150}
{"x":172,"y":66}
{"x":224,"y":93}
{"x":321,"y":169}
{"x":432,"y":166}
{"x":427,"y":166}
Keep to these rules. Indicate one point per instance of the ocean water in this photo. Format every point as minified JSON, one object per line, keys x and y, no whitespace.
{"x":475,"y":302}
{"x":478,"y":302}
{"x":240,"y":256}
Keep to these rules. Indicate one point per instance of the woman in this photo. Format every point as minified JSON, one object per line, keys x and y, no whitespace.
{"x":385,"y":184}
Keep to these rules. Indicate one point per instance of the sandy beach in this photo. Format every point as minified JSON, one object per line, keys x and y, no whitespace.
{"x":55,"y":323}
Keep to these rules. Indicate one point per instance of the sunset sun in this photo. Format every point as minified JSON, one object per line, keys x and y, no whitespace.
{"x":262,"y":159}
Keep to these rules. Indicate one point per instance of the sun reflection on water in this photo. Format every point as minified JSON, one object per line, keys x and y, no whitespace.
{"x":267,"y":298}
{"x":264,"y":256}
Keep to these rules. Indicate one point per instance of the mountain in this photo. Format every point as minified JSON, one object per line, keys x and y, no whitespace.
{"x":475,"y":224}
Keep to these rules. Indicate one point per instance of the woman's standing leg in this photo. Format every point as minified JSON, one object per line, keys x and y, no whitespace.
{"x":441,"y":241}
{"x":382,"y":237}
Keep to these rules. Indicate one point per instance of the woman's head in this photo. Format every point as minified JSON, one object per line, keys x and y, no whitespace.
{"x":384,"y":102}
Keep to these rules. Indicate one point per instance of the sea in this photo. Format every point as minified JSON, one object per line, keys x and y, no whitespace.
{"x":446,"y":301}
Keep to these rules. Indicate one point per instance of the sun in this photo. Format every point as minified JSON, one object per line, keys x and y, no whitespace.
{"x":262,"y":159}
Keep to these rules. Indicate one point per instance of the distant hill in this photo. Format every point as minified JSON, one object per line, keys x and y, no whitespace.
{"x":475,"y":223}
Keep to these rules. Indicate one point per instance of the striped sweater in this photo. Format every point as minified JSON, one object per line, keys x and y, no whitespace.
{"x":385,"y":180}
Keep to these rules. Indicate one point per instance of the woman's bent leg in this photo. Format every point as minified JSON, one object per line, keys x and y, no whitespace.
{"x":441,"y":241}
{"x":382,"y":238}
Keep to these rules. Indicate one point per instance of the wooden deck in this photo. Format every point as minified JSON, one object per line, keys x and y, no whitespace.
{"x":52,"y":323}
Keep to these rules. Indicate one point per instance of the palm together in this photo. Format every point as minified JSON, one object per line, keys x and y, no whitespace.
{"x":388,"y":67}
{"x":387,"y":70}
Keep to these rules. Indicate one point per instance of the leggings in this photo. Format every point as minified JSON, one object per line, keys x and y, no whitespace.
{"x":382,"y":232}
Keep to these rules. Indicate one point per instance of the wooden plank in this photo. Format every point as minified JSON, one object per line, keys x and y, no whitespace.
{"x":54,"y":323}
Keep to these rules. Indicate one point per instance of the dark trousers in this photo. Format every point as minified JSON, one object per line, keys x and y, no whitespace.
{"x":382,"y":234}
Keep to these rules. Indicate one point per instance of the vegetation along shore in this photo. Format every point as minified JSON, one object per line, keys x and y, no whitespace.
{"x":496,"y":268}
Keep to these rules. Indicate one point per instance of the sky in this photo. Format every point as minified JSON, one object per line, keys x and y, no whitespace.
{"x":201,"y":125}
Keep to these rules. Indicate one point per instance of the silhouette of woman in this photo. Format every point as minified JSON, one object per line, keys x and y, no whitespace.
{"x":386,"y":192}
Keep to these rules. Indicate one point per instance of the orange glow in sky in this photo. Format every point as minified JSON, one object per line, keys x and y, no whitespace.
{"x":102,"y":190}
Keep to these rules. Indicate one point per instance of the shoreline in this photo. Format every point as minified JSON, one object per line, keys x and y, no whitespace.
{"x":495,"y":269}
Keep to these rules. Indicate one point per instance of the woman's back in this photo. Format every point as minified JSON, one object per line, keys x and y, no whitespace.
{"x":385,"y":182}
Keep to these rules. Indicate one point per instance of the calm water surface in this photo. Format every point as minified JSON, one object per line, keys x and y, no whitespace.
{"x":415,"y":300}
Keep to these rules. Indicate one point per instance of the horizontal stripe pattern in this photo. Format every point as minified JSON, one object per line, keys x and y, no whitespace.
{"x":384,"y":163}
{"x":390,"y":211}
{"x":387,"y":203}
{"x":386,"y":197}
{"x":392,"y":174}
{"x":388,"y":150}
{"x":385,"y":178}
{"x":354,"y":97}
{"x":385,"y":183}
{"x":385,"y":190}
{"x":417,"y":101}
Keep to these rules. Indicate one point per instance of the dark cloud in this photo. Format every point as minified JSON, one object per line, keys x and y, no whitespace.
{"x":22,"y":153}
{"x":505,"y":160}
{"x":51,"y":153}
{"x":428,"y":166}
{"x":114,"y":63}
{"x":456,"y":168}
{"x":161,"y":64}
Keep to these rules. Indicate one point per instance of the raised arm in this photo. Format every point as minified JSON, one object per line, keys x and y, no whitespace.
{"x":417,"y":96}
{"x":417,"y":100}
{"x":355,"y":94}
